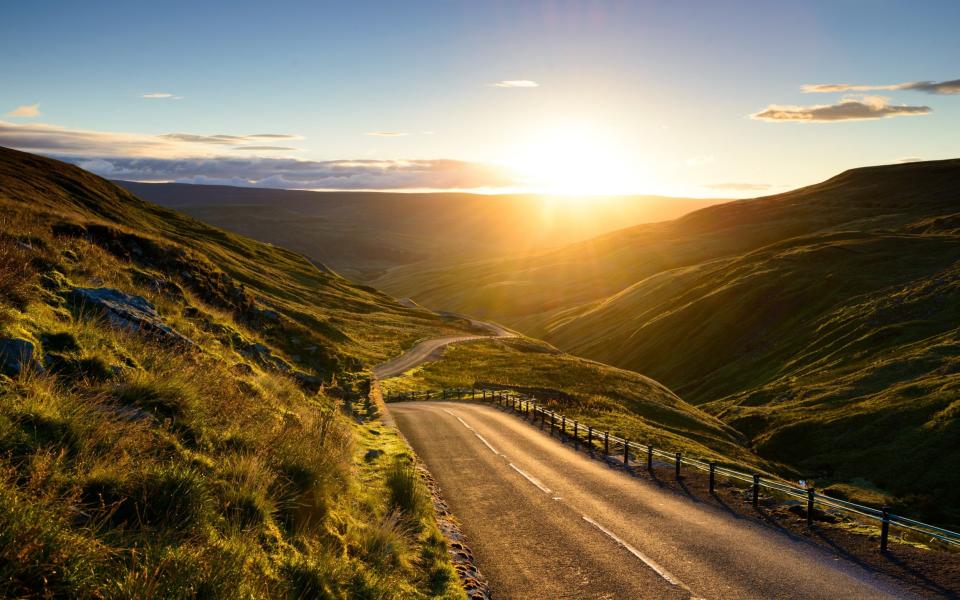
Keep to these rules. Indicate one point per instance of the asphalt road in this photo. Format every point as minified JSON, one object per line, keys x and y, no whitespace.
{"x":545,"y":521}
{"x":424,"y":350}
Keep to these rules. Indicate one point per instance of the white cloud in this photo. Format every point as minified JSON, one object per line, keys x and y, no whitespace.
{"x":225,"y":139}
{"x":516,"y":83}
{"x":161,"y":96}
{"x":25,"y":111}
{"x":386,"y":133}
{"x":930,"y":87}
{"x":848,"y":109}
{"x":909,"y":159}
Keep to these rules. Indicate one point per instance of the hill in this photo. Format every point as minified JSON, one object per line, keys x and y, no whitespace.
{"x":182,"y":414}
{"x":822,"y":323}
{"x":364,"y":235}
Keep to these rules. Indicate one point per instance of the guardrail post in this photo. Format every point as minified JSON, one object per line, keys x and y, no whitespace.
{"x":677,"y":467}
{"x":650,"y":458}
{"x":756,"y":490}
{"x":606,"y":443}
{"x":553,"y":423}
{"x":576,"y":434}
{"x":535,"y":409}
{"x":713,"y":476}
{"x":626,"y":453}
{"x":590,"y":438}
{"x":885,"y":529}
{"x":810,"y":494}
{"x":563,"y":427}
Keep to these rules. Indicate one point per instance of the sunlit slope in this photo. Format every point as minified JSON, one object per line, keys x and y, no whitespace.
{"x":365,"y":234}
{"x":528,"y":290}
{"x":180,"y":410}
{"x":360,"y":325}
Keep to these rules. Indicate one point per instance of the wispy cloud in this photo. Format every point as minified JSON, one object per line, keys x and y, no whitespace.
{"x":909,"y":159}
{"x":386,"y":133}
{"x":25,"y":111}
{"x":225,"y":140}
{"x":929,"y":87}
{"x":161,"y":96}
{"x":848,"y":109}
{"x":303,"y":174}
{"x":740,"y":186}
{"x":267,"y":148}
{"x":515,"y":83}
{"x":54,"y":139}
{"x":191,"y":158}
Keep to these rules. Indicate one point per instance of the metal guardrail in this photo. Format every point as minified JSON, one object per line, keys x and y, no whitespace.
{"x":630,"y":452}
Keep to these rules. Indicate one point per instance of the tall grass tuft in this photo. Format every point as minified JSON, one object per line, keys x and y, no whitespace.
{"x":407,"y":491}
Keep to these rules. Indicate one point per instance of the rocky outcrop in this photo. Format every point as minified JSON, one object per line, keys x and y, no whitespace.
{"x":15,"y":356}
{"x":126,"y":311}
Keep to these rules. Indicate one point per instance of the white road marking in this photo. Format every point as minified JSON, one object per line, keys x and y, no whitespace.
{"x":531,"y":479}
{"x":646,"y":559}
{"x":479,"y":437}
{"x":482,"y":439}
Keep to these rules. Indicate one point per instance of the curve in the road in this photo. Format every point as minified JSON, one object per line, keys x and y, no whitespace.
{"x":426,"y":349}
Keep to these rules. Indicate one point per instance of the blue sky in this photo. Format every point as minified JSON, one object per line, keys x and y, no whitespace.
{"x":630,"y":96}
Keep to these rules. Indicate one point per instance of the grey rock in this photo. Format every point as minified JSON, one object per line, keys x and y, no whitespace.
{"x":309,"y":382}
{"x":126,"y":311}
{"x":15,"y":355}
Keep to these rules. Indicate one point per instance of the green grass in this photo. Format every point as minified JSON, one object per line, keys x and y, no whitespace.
{"x":132,"y":468}
{"x":608,"y":399}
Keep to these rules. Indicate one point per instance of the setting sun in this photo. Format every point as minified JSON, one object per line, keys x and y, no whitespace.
{"x":574,"y":160}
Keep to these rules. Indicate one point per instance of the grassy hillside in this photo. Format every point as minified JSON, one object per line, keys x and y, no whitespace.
{"x":365,"y":234}
{"x":822,"y":324}
{"x":622,"y":402}
{"x":173,"y":410}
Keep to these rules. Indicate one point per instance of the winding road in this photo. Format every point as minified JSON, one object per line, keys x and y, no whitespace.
{"x":545,"y":521}
{"x":427,"y":349}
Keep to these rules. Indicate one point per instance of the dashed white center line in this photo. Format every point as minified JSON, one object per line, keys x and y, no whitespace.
{"x":646,"y":559}
{"x":482,"y":439}
{"x":479,"y":437}
{"x":531,"y":479}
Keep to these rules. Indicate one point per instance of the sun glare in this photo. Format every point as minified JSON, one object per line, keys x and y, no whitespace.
{"x":574,"y":161}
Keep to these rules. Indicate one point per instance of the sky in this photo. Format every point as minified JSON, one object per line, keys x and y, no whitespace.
{"x":684,"y":98}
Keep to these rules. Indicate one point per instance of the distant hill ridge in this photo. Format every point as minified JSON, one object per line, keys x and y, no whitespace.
{"x":366,"y":234}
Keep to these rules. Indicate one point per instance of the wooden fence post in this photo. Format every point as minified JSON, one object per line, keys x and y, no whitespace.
{"x":884,"y":529}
